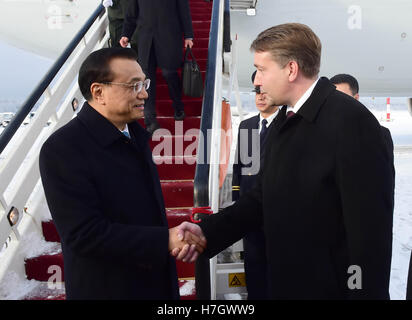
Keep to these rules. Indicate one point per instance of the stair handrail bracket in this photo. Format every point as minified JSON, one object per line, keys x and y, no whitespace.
{"x":56,"y":94}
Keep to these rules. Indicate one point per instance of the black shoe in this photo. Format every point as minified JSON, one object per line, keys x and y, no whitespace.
{"x":180,"y":115}
{"x":152,"y":127}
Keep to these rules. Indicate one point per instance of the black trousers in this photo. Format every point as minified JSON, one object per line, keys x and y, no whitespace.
{"x":174,"y":84}
{"x":254,"y":246}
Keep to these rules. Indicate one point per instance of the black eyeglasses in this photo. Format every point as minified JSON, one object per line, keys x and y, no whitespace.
{"x":136,"y":86}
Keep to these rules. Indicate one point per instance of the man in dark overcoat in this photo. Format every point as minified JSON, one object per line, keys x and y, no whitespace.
{"x":103,"y":190}
{"x":161,"y":26}
{"x":324,"y":194}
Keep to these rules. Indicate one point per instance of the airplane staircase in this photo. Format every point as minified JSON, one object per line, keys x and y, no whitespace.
{"x":176,"y":177}
{"x":184,"y":182}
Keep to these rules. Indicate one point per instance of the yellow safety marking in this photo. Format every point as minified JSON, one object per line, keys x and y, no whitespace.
{"x":237,"y":279}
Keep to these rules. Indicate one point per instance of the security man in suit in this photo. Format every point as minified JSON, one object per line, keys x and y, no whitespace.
{"x":161,"y":25}
{"x":252,"y":133}
{"x":324,"y":194}
{"x":116,"y":11}
{"x":103,"y":189}
{"x":348,"y":84}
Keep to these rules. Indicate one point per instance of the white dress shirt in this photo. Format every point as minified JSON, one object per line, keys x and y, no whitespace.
{"x":268,"y":119}
{"x":302,"y":99}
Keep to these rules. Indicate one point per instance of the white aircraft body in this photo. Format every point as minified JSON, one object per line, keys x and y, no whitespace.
{"x":370,"y":39}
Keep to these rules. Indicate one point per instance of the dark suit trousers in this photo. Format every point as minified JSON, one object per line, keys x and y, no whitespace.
{"x":173,"y":82}
{"x":254,"y":246}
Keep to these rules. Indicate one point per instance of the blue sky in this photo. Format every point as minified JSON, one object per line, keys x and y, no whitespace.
{"x":20,"y":72}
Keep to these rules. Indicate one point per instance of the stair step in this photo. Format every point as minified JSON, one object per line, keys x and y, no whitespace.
{"x":199,"y":53}
{"x":177,"y":215}
{"x":50,"y":231}
{"x":200,"y":5}
{"x":201,"y":62}
{"x":37,"y":267}
{"x":201,"y":10}
{"x":171,"y":124}
{"x":162,"y":92}
{"x":160,"y":81}
{"x":176,"y":167}
{"x":201,"y":33}
{"x":187,"y":289}
{"x":163,"y":145}
{"x":192,"y":109}
{"x":177,"y":193}
{"x":174,"y":216}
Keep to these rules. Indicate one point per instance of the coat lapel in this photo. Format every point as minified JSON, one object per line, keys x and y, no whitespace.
{"x":140,"y":139}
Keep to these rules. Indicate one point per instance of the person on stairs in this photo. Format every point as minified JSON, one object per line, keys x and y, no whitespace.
{"x":160,"y":26}
{"x":116,"y":11}
{"x":104,"y":193}
{"x":252,"y":130}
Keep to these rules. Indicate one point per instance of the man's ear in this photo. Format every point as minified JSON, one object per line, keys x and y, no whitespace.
{"x":292,"y":68}
{"x":356,"y":96}
{"x":97,"y":92}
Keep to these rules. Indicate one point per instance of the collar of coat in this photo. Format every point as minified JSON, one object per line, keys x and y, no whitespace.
{"x":104,"y":132}
{"x":312,"y":106}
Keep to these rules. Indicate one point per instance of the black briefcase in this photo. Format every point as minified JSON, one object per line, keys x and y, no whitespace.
{"x":192,"y":77}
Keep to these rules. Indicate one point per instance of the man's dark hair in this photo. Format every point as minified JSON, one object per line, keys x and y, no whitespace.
{"x":96,"y":67}
{"x":346,"y":78}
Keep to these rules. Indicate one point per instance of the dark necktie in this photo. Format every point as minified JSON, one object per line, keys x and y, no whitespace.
{"x":289,"y":114}
{"x":263,"y":131}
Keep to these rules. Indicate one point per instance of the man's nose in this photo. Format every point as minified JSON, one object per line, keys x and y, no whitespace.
{"x":257,"y":82}
{"x":143,"y":94}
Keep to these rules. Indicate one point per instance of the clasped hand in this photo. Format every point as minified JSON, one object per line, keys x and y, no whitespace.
{"x":186,"y":242}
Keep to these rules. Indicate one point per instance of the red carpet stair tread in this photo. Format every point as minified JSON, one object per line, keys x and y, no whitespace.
{"x":176,"y":171}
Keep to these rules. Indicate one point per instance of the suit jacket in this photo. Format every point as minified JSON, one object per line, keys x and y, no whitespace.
{"x":105,"y":198}
{"x":325,"y":202}
{"x":161,"y":23}
{"x":244,"y":172}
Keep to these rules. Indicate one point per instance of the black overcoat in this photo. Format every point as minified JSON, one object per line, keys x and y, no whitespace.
{"x":163,"y":24}
{"x":324,"y":199}
{"x":105,"y":198}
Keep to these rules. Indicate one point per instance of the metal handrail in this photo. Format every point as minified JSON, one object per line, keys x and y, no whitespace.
{"x":201,"y":180}
{"x":31,"y":101}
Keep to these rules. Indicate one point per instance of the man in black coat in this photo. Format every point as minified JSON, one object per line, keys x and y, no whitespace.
{"x":349,"y":85}
{"x":324,"y":194}
{"x":249,"y":158}
{"x":160,"y":24}
{"x":103,"y":190}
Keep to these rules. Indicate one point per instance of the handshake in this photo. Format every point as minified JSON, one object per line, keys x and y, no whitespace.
{"x":186,"y":242}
